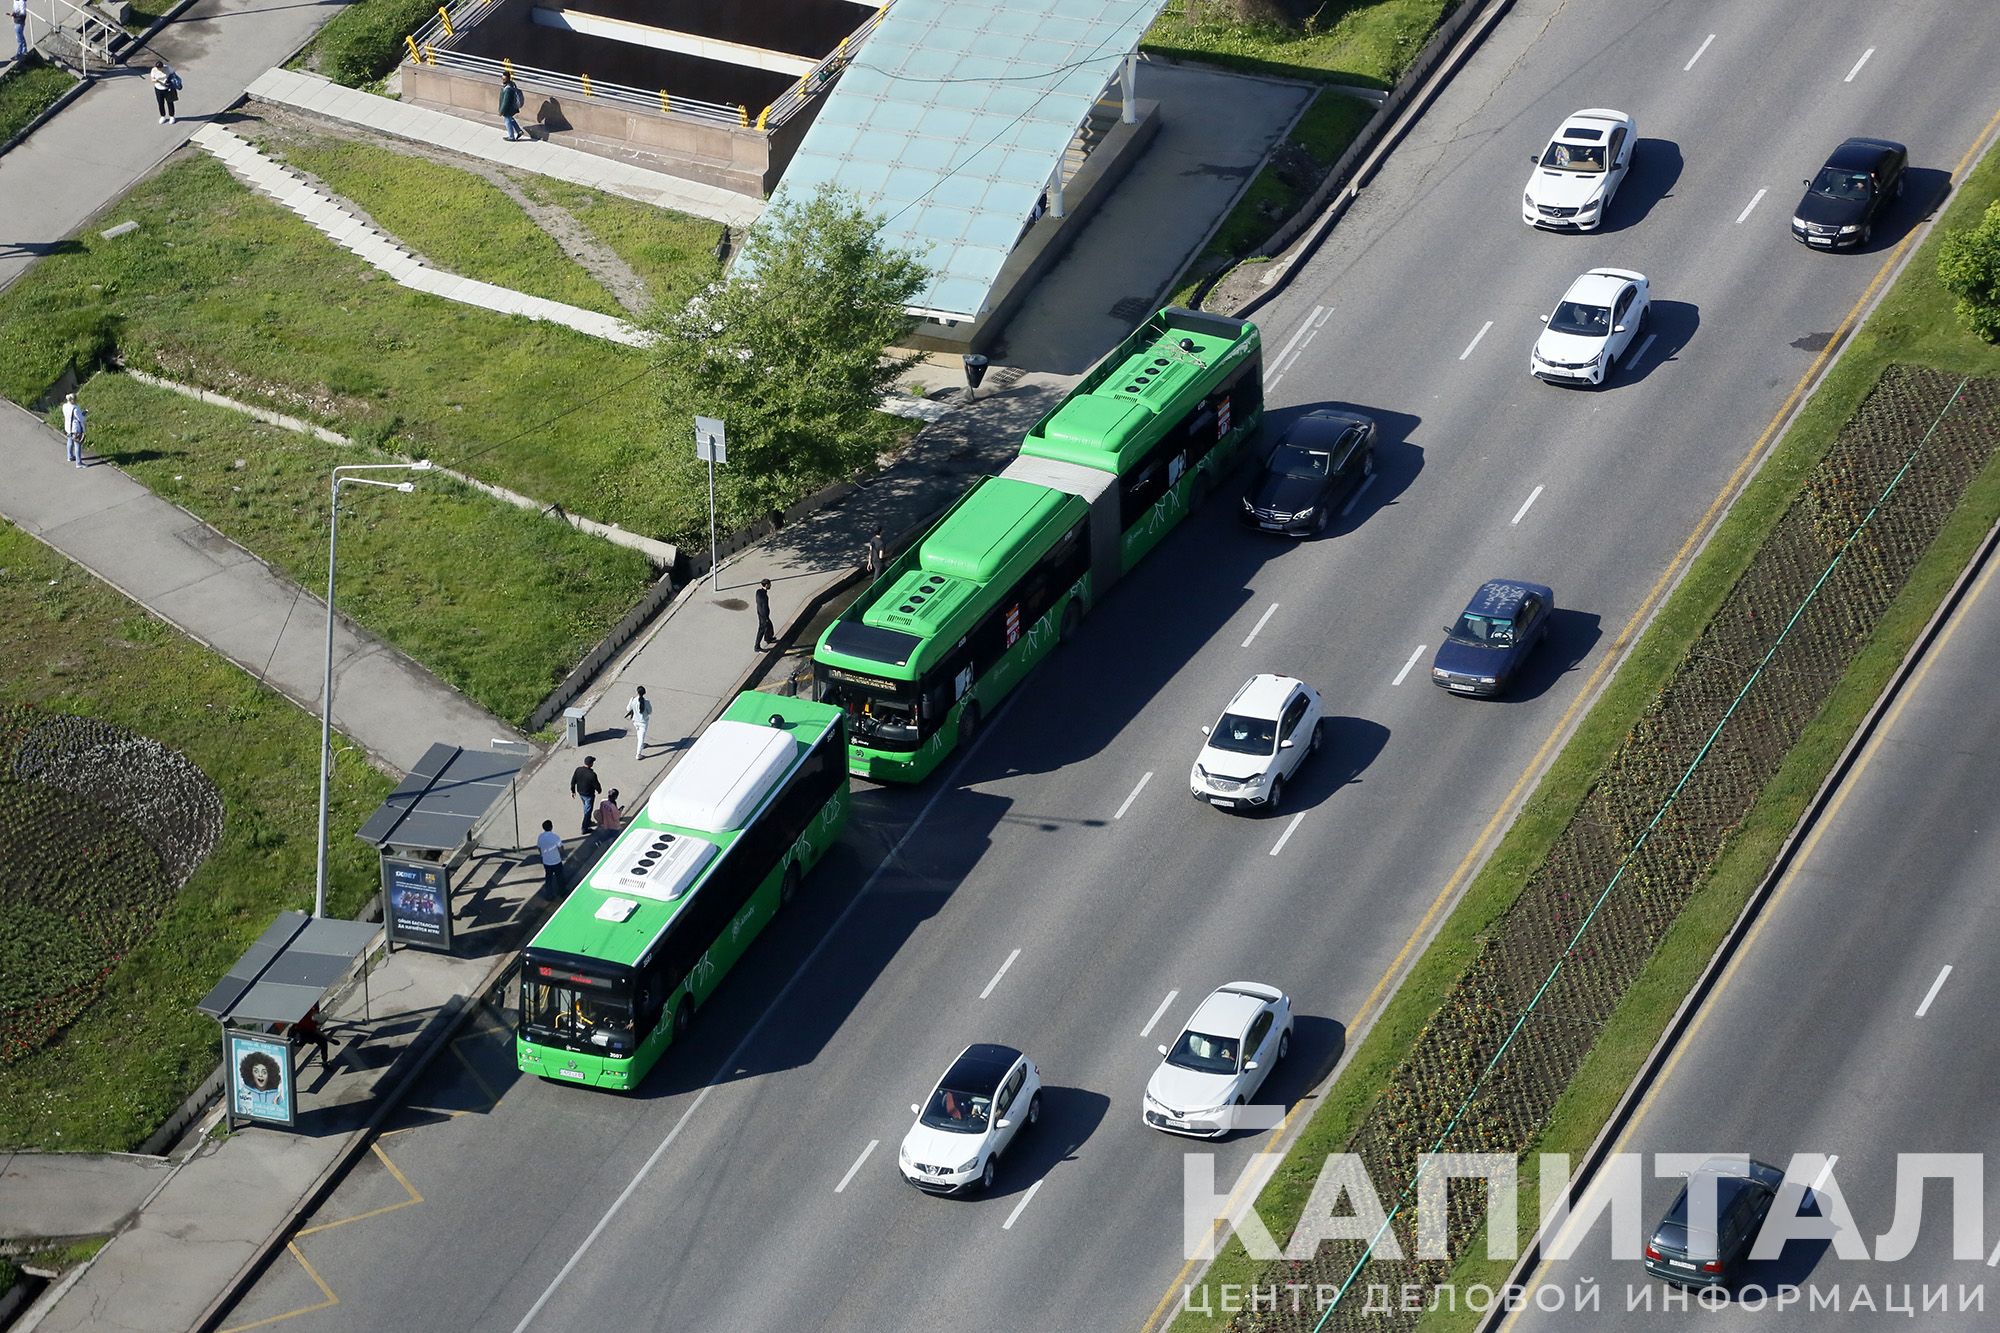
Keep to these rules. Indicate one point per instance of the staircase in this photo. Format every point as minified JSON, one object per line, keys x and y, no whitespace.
{"x":1102,"y":116}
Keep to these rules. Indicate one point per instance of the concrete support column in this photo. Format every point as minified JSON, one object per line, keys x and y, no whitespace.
{"x":1128,"y":81}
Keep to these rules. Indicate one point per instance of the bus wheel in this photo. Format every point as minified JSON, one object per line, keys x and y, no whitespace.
{"x":788,"y":888}
{"x":1198,"y":491}
{"x":968,"y":722}
{"x":1072,"y":616}
{"x":683,"y":1015}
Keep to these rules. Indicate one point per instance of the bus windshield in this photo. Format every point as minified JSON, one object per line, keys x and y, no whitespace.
{"x":575,"y":1009}
{"x":875,"y":715}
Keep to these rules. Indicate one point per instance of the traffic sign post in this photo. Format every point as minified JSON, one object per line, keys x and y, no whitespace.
{"x":709,"y":445}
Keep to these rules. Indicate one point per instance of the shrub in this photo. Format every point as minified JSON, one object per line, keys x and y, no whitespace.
{"x":1969,"y":268}
{"x":365,"y":40}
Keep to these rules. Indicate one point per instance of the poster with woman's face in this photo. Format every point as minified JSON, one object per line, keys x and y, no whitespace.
{"x":260,"y":1078}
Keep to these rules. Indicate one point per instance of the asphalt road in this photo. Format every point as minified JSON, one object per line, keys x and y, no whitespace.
{"x":1044,"y":897}
{"x":1856,"y":1024}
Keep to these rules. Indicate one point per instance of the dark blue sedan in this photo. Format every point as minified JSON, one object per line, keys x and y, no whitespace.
{"x":1495,"y":633}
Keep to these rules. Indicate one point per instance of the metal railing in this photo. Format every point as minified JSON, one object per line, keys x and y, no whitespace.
{"x":432,"y":45}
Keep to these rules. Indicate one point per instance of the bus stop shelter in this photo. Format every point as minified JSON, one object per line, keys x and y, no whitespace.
{"x":424,"y":830}
{"x":270,"y":1001}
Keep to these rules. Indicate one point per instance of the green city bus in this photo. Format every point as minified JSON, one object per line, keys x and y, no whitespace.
{"x":723,"y":842}
{"x":955,"y":623}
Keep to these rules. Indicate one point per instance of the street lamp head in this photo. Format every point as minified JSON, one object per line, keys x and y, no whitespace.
{"x":406,"y":487}
{"x":421,"y":465}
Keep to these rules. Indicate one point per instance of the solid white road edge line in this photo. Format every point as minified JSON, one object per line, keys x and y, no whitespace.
{"x":1475,"y":340}
{"x":736,"y":1055}
{"x":844,"y":1180}
{"x":1135,"y":795}
{"x":1262,"y":621}
{"x":1355,"y":499}
{"x":1290,"y":829}
{"x":1522,"y":512}
{"x":1755,"y":199}
{"x":1001,"y":973}
{"x":1697,"y":55}
{"x":1858,"y":64}
{"x":1407,"y":665}
{"x":1158,"y":1014}
{"x":1021,"y":1207}
{"x":1931,"y":994}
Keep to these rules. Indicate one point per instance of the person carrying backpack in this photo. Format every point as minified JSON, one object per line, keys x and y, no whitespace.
{"x":166,"y":90}
{"x":511,"y":102}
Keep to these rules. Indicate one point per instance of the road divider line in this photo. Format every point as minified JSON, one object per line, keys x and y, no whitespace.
{"x":1001,"y":973}
{"x":1858,"y":64}
{"x":1755,"y":199}
{"x":1135,"y":795}
{"x":1407,"y":665}
{"x":849,"y":1177}
{"x":1819,"y":1181}
{"x":1272,"y":383}
{"x":1306,"y":326}
{"x":1640,"y":355}
{"x":1475,"y":340}
{"x":1262,"y":621}
{"x":1355,"y":499}
{"x":1022,"y":1206}
{"x":1158,"y":1014}
{"x":1522,"y":512}
{"x":1290,"y":829}
{"x":1932,"y":993}
{"x":1697,"y":55}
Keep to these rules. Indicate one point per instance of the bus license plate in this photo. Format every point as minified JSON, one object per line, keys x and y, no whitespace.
{"x":570,"y":1073}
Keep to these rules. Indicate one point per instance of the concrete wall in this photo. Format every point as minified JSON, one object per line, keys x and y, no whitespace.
{"x":810,"y":28}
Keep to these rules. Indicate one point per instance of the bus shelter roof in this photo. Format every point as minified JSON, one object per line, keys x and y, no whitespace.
{"x":954,"y":118}
{"x":288,"y":970}
{"x":435,"y":807}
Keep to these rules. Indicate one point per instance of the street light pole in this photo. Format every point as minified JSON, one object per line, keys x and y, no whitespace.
{"x":326,"y":688}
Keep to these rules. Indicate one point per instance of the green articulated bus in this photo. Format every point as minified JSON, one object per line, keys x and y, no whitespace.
{"x":722,"y":844}
{"x":955,"y":622}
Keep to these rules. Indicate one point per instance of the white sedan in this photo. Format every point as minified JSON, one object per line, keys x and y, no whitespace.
{"x":1257,"y":745}
{"x":1593,"y":325}
{"x":1586,"y":160}
{"x":982,"y":1103}
{"x":1220,"y":1060}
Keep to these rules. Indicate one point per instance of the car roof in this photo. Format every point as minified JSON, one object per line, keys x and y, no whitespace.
{"x":980,"y":1068}
{"x":1858,"y":154}
{"x":1600,"y":286}
{"x":1226,"y":1013}
{"x":1263,"y":695}
{"x":1503,"y":597}
{"x":1597,"y":122}
{"x":1323,"y":419}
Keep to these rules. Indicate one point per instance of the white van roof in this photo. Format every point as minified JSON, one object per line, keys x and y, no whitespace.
{"x":724,"y":777}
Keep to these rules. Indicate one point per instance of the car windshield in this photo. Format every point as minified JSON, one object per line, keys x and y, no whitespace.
{"x":1245,"y":735}
{"x":1838,"y":184}
{"x":1199,"y":1051}
{"x":1483,"y":631}
{"x":958,"y":1112}
{"x":1580,"y":157}
{"x":1591,"y":321}
{"x":1294,"y":460}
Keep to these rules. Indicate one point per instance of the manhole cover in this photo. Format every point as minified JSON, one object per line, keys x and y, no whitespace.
{"x":1132,"y":308}
{"x":1813,"y":342}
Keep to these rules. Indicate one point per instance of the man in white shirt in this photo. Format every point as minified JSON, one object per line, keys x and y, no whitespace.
{"x":74,"y":420}
{"x":549,"y":844}
{"x":18,"y":10}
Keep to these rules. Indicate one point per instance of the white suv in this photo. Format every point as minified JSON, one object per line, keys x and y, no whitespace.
{"x":1257,"y":744}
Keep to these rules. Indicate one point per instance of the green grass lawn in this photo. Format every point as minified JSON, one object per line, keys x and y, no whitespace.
{"x":673,"y":253}
{"x":1913,"y":325}
{"x":27,"y":90}
{"x":1367,"y":42}
{"x":497,"y":601}
{"x":74,"y":646}
{"x":459,"y":221}
{"x":364,"y":40}
{"x":221,"y":288}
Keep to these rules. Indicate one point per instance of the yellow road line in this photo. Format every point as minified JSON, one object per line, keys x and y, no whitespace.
{"x":325,"y":1291}
{"x":401,"y":1179}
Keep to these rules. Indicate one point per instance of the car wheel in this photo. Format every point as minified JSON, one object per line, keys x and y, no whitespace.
{"x":1035,"y":1110}
{"x":1899,"y":188}
{"x":1368,"y":464}
{"x":788,"y":888}
{"x":1277,"y":795}
{"x":1867,"y":234}
{"x":986,"y":1176}
{"x":1072,"y":616}
{"x":1644,"y":315}
{"x":1319,"y":520}
{"x":1284,"y":1044}
{"x":1312,"y":746}
{"x":968,"y":722}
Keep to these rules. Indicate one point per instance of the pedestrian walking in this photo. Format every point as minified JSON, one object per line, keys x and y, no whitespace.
{"x":584,"y":783}
{"x":74,"y":420}
{"x":166,"y":90}
{"x":549,"y":844}
{"x":765,"y":630}
{"x":19,"y":9}
{"x":877,"y":554}
{"x":610,"y":815}
{"x":640,"y":711}
{"x":511,"y":102}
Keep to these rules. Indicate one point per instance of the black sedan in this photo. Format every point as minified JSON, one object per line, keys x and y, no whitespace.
{"x":1685,"y":1251}
{"x":1492,"y":637}
{"x":1843,"y":202}
{"x":1321,"y":463}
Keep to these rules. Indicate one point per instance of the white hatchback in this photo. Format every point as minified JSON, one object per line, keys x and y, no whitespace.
{"x":1593,"y":325}
{"x":1220,"y":1060}
{"x":1586,"y":160}
{"x":988,"y":1096}
{"x":1258,"y":743}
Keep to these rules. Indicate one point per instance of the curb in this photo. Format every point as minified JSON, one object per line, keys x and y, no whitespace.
{"x":1648,"y":1076}
{"x":82,"y":86}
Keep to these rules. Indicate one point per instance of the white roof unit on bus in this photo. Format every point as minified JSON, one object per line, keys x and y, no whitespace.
{"x":724,"y":777}
{"x":652,"y":864}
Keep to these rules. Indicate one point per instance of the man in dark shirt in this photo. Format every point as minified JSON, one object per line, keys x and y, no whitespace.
{"x":584,"y":785}
{"x":765,"y":630}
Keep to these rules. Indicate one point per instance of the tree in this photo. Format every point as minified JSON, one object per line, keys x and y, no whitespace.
{"x":789,"y":351}
{"x":1969,"y":268}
